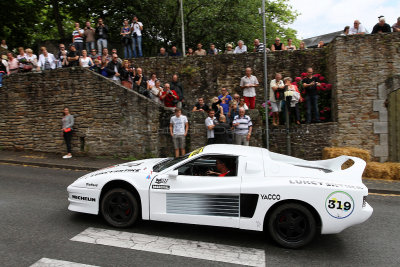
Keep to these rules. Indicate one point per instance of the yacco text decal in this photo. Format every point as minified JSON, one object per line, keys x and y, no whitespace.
{"x":271,"y":196}
{"x":154,"y":186}
{"x":339,"y":205}
{"x":328,"y":184}
{"x":161,"y":181}
{"x":90,"y":199}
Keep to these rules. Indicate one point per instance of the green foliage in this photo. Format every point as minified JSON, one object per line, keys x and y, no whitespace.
{"x":25,"y":22}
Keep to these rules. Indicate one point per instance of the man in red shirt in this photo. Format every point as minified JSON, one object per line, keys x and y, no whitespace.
{"x":223,"y":170}
{"x":169,"y":97}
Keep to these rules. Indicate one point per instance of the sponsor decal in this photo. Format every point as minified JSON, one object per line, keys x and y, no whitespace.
{"x":90,"y":199}
{"x":115,"y":171}
{"x":156,"y":186}
{"x":91,"y":185}
{"x":195,"y":152}
{"x":161,"y":181}
{"x":149,"y":176}
{"x":323,"y":183}
{"x":271,"y":197}
{"x":339,"y":205}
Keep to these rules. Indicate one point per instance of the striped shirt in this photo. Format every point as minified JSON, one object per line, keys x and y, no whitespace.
{"x":244,"y":124}
{"x":78,"y":36}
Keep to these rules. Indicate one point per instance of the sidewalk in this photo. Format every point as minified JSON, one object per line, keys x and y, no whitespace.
{"x":91,"y":164}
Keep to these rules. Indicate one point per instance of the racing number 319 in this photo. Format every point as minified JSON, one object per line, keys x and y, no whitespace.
{"x":332,"y":204}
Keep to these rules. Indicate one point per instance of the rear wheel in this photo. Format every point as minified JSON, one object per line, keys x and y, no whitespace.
{"x":119,"y":208}
{"x":292,"y":225}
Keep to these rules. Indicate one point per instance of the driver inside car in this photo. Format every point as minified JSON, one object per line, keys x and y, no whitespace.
{"x":222,"y":169}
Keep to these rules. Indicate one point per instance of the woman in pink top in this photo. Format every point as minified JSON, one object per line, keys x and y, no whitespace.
{"x":13,"y":63}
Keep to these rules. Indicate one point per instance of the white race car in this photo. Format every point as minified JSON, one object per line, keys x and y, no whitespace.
{"x":231,"y":186}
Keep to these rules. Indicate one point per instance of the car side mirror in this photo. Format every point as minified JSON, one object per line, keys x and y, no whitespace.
{"x":173,"y":174}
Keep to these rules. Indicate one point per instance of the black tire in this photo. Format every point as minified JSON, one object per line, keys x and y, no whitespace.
{"x":292,"y":225}
{"x":120,"y":208}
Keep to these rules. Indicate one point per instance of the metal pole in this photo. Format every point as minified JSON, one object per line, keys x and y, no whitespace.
{"x":183,"y":31}
{"x":265,"y":76}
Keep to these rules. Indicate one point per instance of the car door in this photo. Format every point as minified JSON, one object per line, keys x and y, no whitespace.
{"x":192,"y":196}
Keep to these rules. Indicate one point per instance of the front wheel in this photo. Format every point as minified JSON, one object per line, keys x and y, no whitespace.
{"x":119,"y":208}
{"x":292,"y":225}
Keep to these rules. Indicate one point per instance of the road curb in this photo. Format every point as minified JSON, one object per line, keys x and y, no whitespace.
{"x":385,"y":192}
{"x":49,"y":165}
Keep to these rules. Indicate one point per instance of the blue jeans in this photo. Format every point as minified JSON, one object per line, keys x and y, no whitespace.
{"x":127,"y":51}
{"x":101,"y":43}
{"x":138,"y":41}
{"x":312,"y":105}
{"x":1,"y":79}
{"x":89,"y":46}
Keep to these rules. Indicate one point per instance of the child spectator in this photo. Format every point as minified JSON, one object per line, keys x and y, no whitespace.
{"x":67,"y":124}
{"x":293,"y":91}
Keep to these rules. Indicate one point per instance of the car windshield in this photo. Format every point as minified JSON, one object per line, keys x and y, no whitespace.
{"x":169,"y":162}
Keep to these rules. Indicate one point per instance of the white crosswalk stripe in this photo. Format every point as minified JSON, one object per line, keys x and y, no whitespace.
{"x":172,"y":246}
{"x":46,"y":262}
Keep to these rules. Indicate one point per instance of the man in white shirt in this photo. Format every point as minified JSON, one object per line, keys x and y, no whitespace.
{"x":210,"y":124}
{"x":243,"y":128}
{"x":249,"y":83}
{"x":178,"y":127}
{"x":77,"y":38}
{"x":241,"y":48}
{"x":357,"y":28}
{"x":137,"y":28}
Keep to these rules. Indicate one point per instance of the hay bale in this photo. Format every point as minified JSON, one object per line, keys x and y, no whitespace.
{"x":333,"y":152}
{"x":387,"y":170}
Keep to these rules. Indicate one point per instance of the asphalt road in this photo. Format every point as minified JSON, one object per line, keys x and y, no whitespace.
{"x":35,"y":224}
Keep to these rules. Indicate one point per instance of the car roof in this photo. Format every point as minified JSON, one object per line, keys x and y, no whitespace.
{"x":232,"y":149}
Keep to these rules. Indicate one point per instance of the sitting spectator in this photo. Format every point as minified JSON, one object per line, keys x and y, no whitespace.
{"x":190,"y":52}
{"x":93,"y":55}
{"x":103,"y":69}
{"x":216,"y":107}
{"x":101,"y":36}
{"x":47,"y":61}
{"x":89,"y":35}
{"x":346,"y":31}
{"x":225,"y":100}
{"x":61,"y":56}
{"x":201,"y":106}
{"x":290,"y":46}
{"x":321,"y":44}
{"x":140,"y":83}
{"x":114,"y":69}
{"x":396,"y":26}
{"x":126,"y":38}
{"x":277,"y":46}
{"x":169,"y":96}
{"x":222,"y":132}
{"x":242,"y":104}
{"x":212,"y":50}
{"x":3,"y":69}
{"x":210,"y":123}
{"x":126,"y":75}
{"x":3,"y":44}
{"x":31,"y":59}
{"x":302,"y":46}
{"x":77,"y":38}
{"x":21,"y":58}
{"x":310,"y":84}
{"x":152,"y":81}
{"x":229,"y":49}
{"x":233,"y":111}
{"x":178,"y":88}
{"x":114,"y":52}
{"x":178,"y":128}
{"x":96,"y":66}
{"x":258,"y":47}
{"x":381,"y":26}
{"x":163,"y":52}
{"x":72,"y":57}
{"x":275,"y":96}
{"x":240,"y":48}
{"x":357,"y":28}
{"x":243,"y":128}
{"x":294,"y":103}
{"x":175,"y":52}
{"x":84,"y":60}
{"x":200,"y":51}
{"x":105,"y":57}
{"x":156,"y":92}
{"x":13,"y":63}
{"x":249,"y":83}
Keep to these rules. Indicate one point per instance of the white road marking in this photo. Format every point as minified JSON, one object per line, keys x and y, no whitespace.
{"x":172,"y":246}
{"x":46,"y":262}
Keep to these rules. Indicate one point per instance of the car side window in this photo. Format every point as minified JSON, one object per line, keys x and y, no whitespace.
{"x":208,"y":166}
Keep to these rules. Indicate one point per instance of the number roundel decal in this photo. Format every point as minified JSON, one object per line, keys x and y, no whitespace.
{"x":339,"y":205}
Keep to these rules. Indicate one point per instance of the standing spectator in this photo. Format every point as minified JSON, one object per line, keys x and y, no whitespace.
{"x":4,"y":44}
{"x":222,"y":132}
{"x":225,"y":100}
{"x":84,"y":60}
{"x":163,"y":52}
{"x":357,"y":28}
{"x":178,"y":88}
{"x":178,"y":128}
{"x":200,"y":51}
{"x":381,"y":26}
{"x":156,"y":92}
{"x":396,"y":26}
{"x":290,"y":46}
{"x":346,"y":31}
{"x":258,"y":47}
{"x":140,"y":83}
{"x":240,"y":48}
{"x":101,"y":36}
{"x":210,"y":122}
{"x":13,"y":63}
{"x":294,"y":103}
{"x":72,"y":57}
{"x":61,"y":56}
{"x":169,"y":96}
{"x":190,"y":52}
{"x":277,"y":46}
{"x":236,"y":97}
{"x":152,"y":81}
{"x":77,"y":38}
{"x":242,"y":104}
{"x":137,"y":28}
{"x":31,"y":59}
{"x":218,"y":110}
{"x":105,"y":57}
{"x":310,"y":84}
{"x":47,"y":61}
{"x":93,"y":55}
{"x":89,"y":34}
{"x":114,"y":69}
{"x":175,"y":52}
{"x":212,"y":50}
{"x":233,"y":111}
{"x":243,"y":128}
{"x":229,"y":49}
{"x":201,"y":106}
{"x":275,"y":96}
{"x":127,"y":73}
{"x":126,"y":38}
{"x":3,"y":69}
{"x":249,"y":83}
{"x":303,"y":46}
{"x":21,"y":58}
{"x":67,"y":123}
{"x":321,"y":44}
